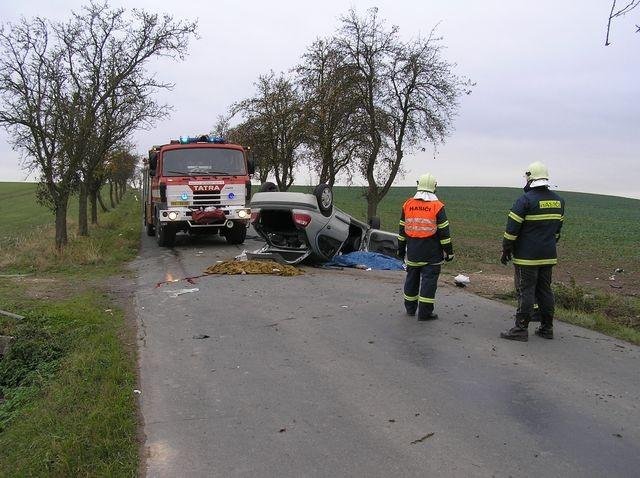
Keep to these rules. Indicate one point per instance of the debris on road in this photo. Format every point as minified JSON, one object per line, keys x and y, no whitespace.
{"x":175,"y":293}
{"x":253,"y":267}
{"x":421,"y":439}
{"x":137,"y":392}
{"x":11,"y":315}
{"x":461,"y":280}
{"x":619,"y":270}
{"x":282,"y":430}
{"x":242,"y":256}
{"x":201,"y":336}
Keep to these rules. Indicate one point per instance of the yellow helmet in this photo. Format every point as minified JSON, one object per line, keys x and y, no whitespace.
{"x":427,"y":182}
{"x":536,"y":171}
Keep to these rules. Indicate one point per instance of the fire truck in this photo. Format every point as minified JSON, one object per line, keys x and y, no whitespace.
{"x":197,"y":185}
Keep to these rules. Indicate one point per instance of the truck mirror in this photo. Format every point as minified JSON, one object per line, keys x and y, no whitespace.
{"x":152,"y":172}
{"x":251,"y":166}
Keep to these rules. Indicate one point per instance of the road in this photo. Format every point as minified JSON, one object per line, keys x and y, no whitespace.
{"x":323,"y":375}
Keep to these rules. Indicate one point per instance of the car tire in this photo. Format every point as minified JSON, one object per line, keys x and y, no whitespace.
{"x":374,"y":222}
{"x":237,"y":234}
{"x":324,"y":196}
{"x":269,"y":187}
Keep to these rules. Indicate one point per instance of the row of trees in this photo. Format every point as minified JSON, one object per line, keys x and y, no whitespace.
{"x":356,"y":104}
{"x":73,"y":92}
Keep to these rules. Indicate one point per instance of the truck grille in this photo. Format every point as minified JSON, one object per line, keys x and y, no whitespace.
{"x":204,"y":199}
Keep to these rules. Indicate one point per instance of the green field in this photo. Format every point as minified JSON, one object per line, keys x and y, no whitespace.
{"x":600,"y":233}
{"x":21,"y":214}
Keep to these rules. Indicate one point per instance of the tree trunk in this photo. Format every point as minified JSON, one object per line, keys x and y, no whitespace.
{"x":83,"y":225}
{"x":60,"y":210}
{"x":93,"y":200}
{"x":372,"y":202}
{"x":101,"y":202}
{"x":113,"y":204}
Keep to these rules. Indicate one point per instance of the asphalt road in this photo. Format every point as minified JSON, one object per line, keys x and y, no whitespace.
{"x":323,"y":375}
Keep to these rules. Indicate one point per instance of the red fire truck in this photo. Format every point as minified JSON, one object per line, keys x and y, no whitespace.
{"x":197,"y":185}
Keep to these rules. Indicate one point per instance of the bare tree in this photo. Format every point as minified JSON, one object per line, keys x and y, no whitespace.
{"x":366,"y":44}
{"x":222,"y":126}
{"x":406,"y":91}
{"x":71,"y":91}
{"x":277,"y":112}
{"x":34,"y":111}
{"x":106,"y":55}
{"x":619,"y":11}
{"x":331,"y":105}
{"x":250,"y":133}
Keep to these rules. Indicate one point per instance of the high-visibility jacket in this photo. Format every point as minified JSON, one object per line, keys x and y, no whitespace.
{"x":533,"y":227}
{"x":424,"y":232}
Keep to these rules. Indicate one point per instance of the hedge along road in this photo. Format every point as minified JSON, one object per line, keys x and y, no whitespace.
{"x":324,"y":375}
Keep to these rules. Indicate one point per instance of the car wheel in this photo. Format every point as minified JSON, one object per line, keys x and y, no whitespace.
{"x":237,"y":234}
{"x":324,"y":195}
{"x":374,"y":222}
{"x":268,"y":187}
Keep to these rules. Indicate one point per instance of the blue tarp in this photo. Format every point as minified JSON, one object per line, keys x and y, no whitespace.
{"x":375,"y":260}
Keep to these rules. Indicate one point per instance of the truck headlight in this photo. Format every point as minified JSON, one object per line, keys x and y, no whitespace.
{"x":244,"y":213}
{"x":173,"y":215}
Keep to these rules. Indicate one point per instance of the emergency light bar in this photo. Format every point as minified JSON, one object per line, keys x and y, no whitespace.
{"x":201,"y":139}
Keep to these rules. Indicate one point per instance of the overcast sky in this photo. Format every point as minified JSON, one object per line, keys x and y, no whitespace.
{"x":547,"y":87}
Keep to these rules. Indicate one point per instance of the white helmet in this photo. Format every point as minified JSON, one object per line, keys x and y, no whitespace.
{"x":427,"y":182}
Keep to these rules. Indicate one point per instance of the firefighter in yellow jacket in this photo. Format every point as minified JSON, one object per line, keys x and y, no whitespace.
{"x":424,"y":243}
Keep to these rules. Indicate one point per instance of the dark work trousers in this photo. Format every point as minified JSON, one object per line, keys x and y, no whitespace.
{"x":420,"y":289}
{"x":533,"y":285}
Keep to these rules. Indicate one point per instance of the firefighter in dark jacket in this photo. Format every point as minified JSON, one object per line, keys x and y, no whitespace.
{"x":424,"y":243}
{"x":533,"y":229}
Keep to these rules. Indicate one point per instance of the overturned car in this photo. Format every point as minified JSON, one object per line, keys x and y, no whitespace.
{"x":300,"y":226}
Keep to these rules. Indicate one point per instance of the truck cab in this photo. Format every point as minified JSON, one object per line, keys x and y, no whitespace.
{"x":197,"y":185}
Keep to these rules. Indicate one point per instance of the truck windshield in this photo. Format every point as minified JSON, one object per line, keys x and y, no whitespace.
{"x":203,"y":161}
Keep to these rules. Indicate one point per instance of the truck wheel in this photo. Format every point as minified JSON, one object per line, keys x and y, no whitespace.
{"x":147,"y":226}
{"x":324,"y":195}
{"x":268,"y":187}
{"x":237,"y":234}
{"x":165,"y":235}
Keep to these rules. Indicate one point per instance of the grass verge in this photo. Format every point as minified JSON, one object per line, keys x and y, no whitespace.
{"x":67,"y":406}
{"x":611,"y":315}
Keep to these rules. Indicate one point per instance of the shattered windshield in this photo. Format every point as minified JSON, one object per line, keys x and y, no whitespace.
{"x":203,"y":161}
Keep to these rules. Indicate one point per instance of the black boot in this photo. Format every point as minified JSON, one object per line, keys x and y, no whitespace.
{"x":429,"y":316}
{"x":545,"y":330}
{"x":519,"y":332}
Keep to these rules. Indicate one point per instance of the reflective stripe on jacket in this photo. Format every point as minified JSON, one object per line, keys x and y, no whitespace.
{"x":424,"y":232}
{"x":533,"y":227}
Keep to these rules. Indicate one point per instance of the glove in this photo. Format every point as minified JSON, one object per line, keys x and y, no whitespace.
{"x":448,"y":257}
{"x":506,"y":256}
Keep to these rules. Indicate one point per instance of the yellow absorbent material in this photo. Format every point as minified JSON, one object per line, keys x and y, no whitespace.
{"x":253,"y":267}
